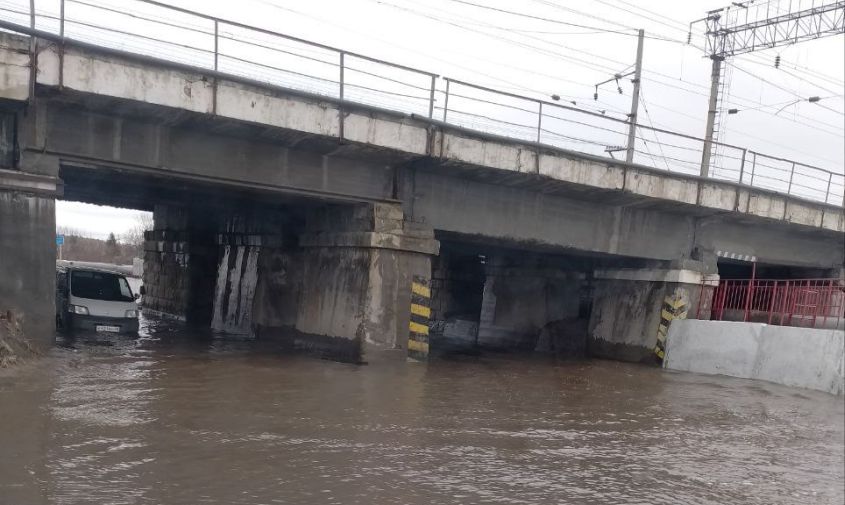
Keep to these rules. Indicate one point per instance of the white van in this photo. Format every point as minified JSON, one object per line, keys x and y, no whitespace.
{"x":94,"y":299}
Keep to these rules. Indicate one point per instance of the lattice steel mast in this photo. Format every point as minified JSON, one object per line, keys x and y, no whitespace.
{"x":745,"y":27}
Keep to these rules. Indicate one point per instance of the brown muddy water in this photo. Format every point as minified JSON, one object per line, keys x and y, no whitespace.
{"x":176,"y":418}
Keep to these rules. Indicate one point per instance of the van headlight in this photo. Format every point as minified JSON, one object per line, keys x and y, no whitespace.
{"x":131,"y":313}
{"x":78,"y":309}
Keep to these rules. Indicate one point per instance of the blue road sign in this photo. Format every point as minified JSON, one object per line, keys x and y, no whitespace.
{"x":60,"y":239}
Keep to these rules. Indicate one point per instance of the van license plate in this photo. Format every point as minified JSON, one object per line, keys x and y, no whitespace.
{"x":113,"y":329}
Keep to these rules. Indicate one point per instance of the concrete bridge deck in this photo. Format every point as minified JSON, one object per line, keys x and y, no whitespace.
{"x":345,"y":129}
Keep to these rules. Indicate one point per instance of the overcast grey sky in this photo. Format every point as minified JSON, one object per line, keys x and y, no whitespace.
{"x":541,"y":57}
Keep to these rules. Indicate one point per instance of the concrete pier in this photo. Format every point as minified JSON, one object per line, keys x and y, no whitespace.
{"x":28,"y":253}
{"x":359,"y":266}
{"x":335,"y":279}
{"x":632,"y":309}
{"x":178,"y":253}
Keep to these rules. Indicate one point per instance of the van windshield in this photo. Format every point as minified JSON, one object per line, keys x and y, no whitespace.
{"x":100,"y":286}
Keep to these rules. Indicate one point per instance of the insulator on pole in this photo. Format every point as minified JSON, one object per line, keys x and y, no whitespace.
{"x":777,"y":61}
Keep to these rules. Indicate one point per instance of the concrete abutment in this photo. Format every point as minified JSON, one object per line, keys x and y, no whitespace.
{"x":335,"y":280}
{"x":632,"y":309}
{"x":28,"y":258}
{"x":359,"y":270}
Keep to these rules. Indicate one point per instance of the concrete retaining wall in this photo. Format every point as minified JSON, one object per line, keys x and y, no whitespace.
{"x":800,"y":357}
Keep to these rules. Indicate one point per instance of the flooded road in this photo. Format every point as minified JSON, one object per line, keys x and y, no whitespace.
{"x":169,"y":419}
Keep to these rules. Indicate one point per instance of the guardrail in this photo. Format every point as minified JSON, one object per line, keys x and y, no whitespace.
{"x":202,"y":41}
{"x":794,"y":302}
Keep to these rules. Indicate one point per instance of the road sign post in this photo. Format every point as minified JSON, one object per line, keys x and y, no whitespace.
{"x":60,"y":241}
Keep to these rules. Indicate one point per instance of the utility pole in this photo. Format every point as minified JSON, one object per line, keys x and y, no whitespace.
{"x":635,"y":99}
{"x":711,"y":114}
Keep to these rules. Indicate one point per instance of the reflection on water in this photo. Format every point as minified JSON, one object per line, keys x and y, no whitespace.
{"x":178,"y":417}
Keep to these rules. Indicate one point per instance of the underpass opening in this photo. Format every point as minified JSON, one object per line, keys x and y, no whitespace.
{"x":778,"y":294}
{"x":204,"y":244}
{"x":738,"y":269}
{"x":314,"y":273}
{"x":489,"y":296}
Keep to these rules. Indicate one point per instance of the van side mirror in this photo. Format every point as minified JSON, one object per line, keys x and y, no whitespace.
{"x":142,"y":290}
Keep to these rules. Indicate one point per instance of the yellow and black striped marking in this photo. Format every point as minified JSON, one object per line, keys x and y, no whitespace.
{"x":420,"y":314}
{"x":674,"y":307}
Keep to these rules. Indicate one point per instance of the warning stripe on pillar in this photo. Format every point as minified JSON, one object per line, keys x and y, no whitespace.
{"x":420,"y":315}
{"x":674,"y":307}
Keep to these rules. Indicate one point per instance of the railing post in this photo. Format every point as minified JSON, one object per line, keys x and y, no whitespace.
{"x":827,"y":191}
{"x":216,"y":44}
{"x":753,"y":166}
{"x":749,"y":293}
{"x":719,"y":299}
{"x":772,"y":301}
{"x":340,"y":107}
{"x":33,"y":53}
{"x":341,"y":77}
{"x":825,"y":288}
{"x":431,"y":98}
{"x":791,"y":174}
{"x":446,"y":101}
{"x":216,"y":67}
{"x":818,"y":300}
{"x":539,"y":121}
{"x":742,"y":165}
{"x":787,"y":293}
{"x":62,"y":44}
{"x":700,"y":298}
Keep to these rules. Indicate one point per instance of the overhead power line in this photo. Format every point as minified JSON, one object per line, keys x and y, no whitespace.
{"x":672,"y":82}
{"x":651,"y":76}
{"x":566,"y":23}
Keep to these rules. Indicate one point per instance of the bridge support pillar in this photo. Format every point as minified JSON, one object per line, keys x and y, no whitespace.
{"x":27,"y":259}
{"x":29,"y":186}
{"x":257,"y":272}
{"x":180,"y":259}
{"x":362,"y":268}
{"x":633,"y":308}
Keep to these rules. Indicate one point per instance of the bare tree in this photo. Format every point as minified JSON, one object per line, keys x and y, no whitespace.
{"x":134,"y":237}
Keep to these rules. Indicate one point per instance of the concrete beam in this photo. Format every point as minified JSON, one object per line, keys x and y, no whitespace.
{"x":14,"y":180}
{"x":63,"y":133}
{"x":527,"y":217}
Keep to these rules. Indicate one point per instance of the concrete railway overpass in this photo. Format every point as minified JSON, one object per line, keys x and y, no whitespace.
{"x":283,"y":212}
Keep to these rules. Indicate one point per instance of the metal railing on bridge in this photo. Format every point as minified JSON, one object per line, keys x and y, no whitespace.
{"x":813,"y":303}
{"x":205,"y":42}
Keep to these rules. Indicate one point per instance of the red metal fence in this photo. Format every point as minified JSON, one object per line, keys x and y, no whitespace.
{"x":814,"y":303}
